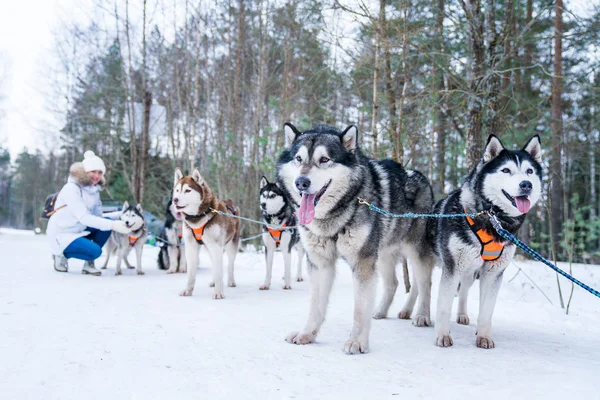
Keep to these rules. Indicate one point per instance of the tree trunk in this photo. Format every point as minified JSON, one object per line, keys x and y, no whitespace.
{"x":389,"y":81}
{"x":474,"y":142}
{"x":556,"y":179}
{"x":375,"y":114}
{"x":196,"y":98}
{"x":440,"y":120}
{"x":145,"y":146}
{"x":147,"y":101}
{"x":405,"y":85}
{"x":493,"y":80}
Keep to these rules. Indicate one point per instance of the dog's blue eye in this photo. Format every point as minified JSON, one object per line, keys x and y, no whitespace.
{"x":187,"y":190}
{"x":323,"y":160}
{"x":298,"y":158}
{"x":529,"y":171}
{"x":506,"y":170}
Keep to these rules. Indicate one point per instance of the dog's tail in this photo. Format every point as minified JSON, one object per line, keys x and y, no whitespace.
{"x":163,"y":258}
{"x":163,"y":254}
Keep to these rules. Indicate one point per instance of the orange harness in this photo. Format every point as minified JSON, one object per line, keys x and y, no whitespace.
{"x":132,"y":240}
{"x":198,"y":232}
{"x":490,"y":250}
{"x":276,"y":234}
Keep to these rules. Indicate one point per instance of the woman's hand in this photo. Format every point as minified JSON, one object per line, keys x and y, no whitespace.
{"x":119,"y":226}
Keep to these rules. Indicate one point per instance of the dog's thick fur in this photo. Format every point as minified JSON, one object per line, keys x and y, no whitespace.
{"x":193,"y":198}
{"x":134,"y":218}
{"x":325,"y":166}
{"x":171,"y":256}
{"x":501,"y":180}
{"x":277,"y":209}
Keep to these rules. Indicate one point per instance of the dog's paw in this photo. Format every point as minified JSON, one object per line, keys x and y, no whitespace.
{"x":299,"y":279}
{"x":186,"y":292}
{"x":130,"y":266}
{"x":171,"y":271}
{"x":354,"y":346}
{"x":444,"y":341}
{"x":287,"y":287}
{"x":380,"y":315}
{"x":141,"y":273}
{"x":118,"y":273}
{"x":421,"y":321}
{"x":103,"y":267}
{"x":404,"y":314}
{"x":231,"y":284}
{"x":183,"y":270}
{"x":300,"y":338}
{"x":463,"y":319}
{"x":211,"y":284}
{"x":485,"y":342}
{"x":218,"y":296}
{"x":264,"y":287}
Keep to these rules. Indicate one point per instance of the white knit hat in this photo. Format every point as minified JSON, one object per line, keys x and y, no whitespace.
{"x":91,"y":162}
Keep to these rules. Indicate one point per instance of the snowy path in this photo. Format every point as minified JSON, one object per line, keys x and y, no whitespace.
{"x":70,"y":336}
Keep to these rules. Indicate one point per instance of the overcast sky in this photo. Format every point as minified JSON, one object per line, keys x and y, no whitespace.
{"x":26,"y":52}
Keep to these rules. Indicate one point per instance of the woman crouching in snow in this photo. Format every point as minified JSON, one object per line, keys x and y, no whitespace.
{"x":78,"y":229}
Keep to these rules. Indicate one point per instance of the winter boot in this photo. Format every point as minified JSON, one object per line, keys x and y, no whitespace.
{"x":90,"y":269}
{"x":60,"y":263}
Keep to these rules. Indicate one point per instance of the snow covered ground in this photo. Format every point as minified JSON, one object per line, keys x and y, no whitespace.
{"x":70,"y":336}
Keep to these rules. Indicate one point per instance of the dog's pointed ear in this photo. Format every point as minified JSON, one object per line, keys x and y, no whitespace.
{"x":290,"y":133}
{"x":534,"y":148}
{"x":492,"y":148}
{"x":350,"y":138}
{"x":178,"y":176}
{"x":139,"y":208}
{"x":263,"y":182}
{"x":197,"y":177}
{"x":125,"y":205}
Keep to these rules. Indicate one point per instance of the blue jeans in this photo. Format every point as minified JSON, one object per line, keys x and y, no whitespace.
{"x":89,"y":247}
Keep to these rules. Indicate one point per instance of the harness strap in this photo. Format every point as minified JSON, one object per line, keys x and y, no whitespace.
{"x":276,"y":234}
{"x":198,"y":232}
{"x":132,"y":240}
{"x":490,"y":250}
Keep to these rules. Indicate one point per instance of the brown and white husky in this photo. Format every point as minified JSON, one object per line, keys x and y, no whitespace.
{"x":203,"y":226}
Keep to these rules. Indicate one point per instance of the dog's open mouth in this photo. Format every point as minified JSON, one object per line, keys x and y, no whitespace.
{"x":180,"y":207}
{"x":521,"y":203}
{"x":306,"y":212}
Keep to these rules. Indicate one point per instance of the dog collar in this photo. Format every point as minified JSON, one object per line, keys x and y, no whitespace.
{"x":490,"y":250}
{"x":198,"y":216}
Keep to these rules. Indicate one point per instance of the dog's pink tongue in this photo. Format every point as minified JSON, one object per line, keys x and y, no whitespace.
{"x":523,"y":204}
{"x":306,"y":213}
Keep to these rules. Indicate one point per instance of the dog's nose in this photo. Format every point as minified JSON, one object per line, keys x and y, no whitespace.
{"x":263,"y":205}
{"x":302,"y":183}
{"x":175,"y":200}
{"x":525,"y":186}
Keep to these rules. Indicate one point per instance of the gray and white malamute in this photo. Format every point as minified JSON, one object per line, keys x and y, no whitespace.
{"x":509,"y":183}
{"x":325,"y":172}
{"x":277,"y":209}
{"x":171,"y":256}
{"x":133,"y":216}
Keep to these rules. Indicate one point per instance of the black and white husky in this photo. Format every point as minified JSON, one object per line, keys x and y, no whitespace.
{"x":509,"y":183}
{"x":277,"y":209}
{"x":171,"y":256}
{"x":324,"y":171}
{"x":133,"y":216}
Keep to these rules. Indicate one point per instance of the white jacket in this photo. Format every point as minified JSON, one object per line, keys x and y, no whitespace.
{"x":82,"y":210}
